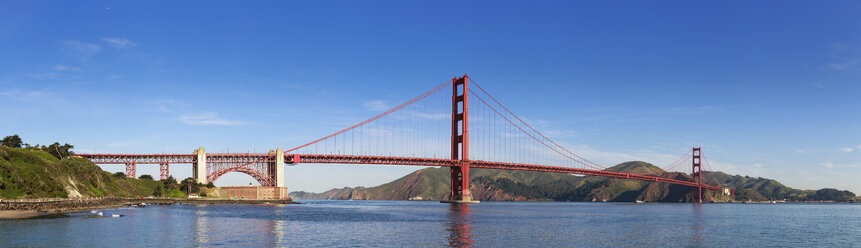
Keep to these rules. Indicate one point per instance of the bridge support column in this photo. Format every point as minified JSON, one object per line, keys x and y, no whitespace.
{"x":131,"y":169}
{"x":279,"y":167}
{"x":199,"y":166}
{"x":164,"y":170}
{"x":460,"y":142}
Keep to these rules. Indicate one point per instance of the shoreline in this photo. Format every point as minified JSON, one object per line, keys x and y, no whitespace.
{"x":24,"y":210}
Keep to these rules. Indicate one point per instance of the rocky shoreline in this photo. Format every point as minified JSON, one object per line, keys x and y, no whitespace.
{"x":17,"y":209}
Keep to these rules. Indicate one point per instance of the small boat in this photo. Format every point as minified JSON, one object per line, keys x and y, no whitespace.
{"x":93,"y":211}
{"x":100,"y":213}
{"x":639,"y":201}
{"x":116,"y":215}
{"x":143,"y":204}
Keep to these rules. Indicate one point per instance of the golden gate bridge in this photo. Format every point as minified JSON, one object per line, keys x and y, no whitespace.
{"x":432,"y":129}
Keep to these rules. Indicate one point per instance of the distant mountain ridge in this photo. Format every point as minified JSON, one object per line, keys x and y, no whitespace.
{"x":505,"y":185}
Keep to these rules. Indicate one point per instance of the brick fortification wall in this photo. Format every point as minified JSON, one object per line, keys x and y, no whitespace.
{"x":257,"y":192}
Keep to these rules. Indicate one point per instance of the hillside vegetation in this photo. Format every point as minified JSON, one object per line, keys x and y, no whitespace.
{"x":26,"y":173}
{"x":31,"y":173}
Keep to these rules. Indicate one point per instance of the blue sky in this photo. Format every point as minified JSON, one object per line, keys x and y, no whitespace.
{"x":768,"y":89}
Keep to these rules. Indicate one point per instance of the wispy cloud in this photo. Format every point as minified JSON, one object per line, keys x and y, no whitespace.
{"x":208,"y":119}
{"x":56,"y":72}
{"x":828,"y":165}
{"x":43,"y":75}
{"x":119,"y":43}
{"x":799,"y":151}
{"x":166,"y":105}
{"x":66,"y":68}
{"x":432,"y":116}
{"x":649,"y":116}
{"x":376,"y":106}
{"x":850,"y":149}
{"x":845,"y":56}
{"x":33,"y":98}
{"x":80,"y":50}
{"x":23,"y":94}
{"x":841,"y":66}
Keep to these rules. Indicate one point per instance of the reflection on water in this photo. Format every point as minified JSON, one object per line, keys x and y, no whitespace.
{"x":697,"y":223}
{"x":458,"y":226}
{"x":201,"y":227}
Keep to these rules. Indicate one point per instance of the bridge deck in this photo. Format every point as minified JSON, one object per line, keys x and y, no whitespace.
{"x":245,"y":158}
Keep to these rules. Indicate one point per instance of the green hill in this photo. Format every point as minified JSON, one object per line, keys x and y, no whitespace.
{"x":637,"y":167}
{"x":772,"y":190}
{"x":27,"y":173}
{"x":504,"y":185}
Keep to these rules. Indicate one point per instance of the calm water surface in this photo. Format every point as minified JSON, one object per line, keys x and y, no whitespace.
{"x":432,"y":224}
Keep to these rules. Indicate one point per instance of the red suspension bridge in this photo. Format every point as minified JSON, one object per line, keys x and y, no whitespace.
{"x":433,"y":129}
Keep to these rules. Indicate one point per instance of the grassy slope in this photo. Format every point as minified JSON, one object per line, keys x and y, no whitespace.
{"x":36,"y":174}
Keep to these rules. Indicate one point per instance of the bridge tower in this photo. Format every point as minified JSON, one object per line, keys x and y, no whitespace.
{"x":696,"y":176}
{"x":199,"y":166}
{"x":460,"y":142}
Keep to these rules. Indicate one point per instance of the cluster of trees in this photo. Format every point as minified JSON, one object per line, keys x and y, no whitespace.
{"x":828,"y":194}
{"x":170,"y":186}
{"x":560,"y":190}
{"x":57,"y":150}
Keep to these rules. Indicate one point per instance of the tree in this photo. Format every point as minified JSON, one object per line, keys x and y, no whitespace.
{"x":189,"y":185}
{"x":59,"y":151}
{"x":120,"y":175}
{"x":146,"y":177}
{"x":157,"y":191}
{"x":210,"y":185}
{"x":170,"y":183}
{"x":12,"y":141}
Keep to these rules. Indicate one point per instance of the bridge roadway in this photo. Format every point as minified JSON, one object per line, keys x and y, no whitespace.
{"x":240,"y":160}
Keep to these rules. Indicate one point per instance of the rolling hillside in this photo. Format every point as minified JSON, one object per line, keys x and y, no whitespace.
{"x":503,"y":185}
{"x":26,"y":173}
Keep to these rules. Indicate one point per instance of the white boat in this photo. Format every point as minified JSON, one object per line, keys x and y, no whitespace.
{"x":100,"y":213}
{"x":639,"y":201}
{"x":116,"y":215}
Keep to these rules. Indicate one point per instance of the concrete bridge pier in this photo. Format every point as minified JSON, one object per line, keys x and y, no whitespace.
{"x":199,"y":166}
{"x":276,"y":168}
{"x":279,"y":167}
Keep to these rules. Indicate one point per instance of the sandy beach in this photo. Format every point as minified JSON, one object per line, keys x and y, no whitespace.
{"x":14,"y":214}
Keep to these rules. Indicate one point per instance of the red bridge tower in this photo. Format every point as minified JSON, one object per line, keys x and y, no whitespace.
{"x":460,"y":142}
{"x":696,"y":176}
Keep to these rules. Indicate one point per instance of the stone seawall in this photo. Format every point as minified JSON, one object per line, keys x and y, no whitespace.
{"x":48,"y":206}
{"x":257,"y":192}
